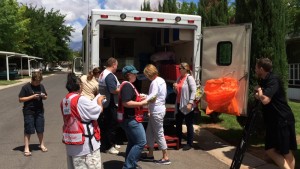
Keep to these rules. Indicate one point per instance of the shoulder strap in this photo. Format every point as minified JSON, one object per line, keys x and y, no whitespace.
{"x":187,"y":79}
{"x":124,"y":82}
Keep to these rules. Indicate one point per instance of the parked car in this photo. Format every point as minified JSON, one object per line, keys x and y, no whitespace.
{"x":26,"y":71}
{"x":56,"y":68}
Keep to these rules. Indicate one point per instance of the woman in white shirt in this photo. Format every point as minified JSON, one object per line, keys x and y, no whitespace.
{"x":81,"y":133}
{"x":157,"y":110}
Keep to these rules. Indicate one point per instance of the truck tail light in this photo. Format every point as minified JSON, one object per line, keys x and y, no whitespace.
{"x":137,"y":18}
{"x":191,"y":21}
{"x":104,"y":16}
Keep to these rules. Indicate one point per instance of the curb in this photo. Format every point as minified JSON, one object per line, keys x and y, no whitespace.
{"x":224,"y":152}
{"x":22,"y":81}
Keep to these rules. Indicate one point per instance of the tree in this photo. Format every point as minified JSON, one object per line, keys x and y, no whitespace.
{"x":293,"y":17}
{"x":173,"y":8}
{"x":213,"y":12}
{"x":268,"y":19}
{"x":165,"y":6}
{"x":192,"y":10}
{"x":231,"y":12}
{"x":184,"y":8}
{"x":13,"y":26}
{"x":146,"y":6}
{"x":160,"y":8}
{"x":48,"y":36}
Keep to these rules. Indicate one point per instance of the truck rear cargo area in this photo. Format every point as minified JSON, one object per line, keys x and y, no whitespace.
{"x":166,"y":48}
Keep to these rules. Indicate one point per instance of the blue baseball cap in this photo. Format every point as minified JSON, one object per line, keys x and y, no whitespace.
{"x":129,"y":69}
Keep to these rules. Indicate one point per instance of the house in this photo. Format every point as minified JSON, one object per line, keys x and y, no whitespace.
{"x":293,"y":56}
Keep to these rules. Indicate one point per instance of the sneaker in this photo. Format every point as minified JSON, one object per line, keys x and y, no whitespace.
{"x":186,"y":147}
{"x":112,"y":150}
{"x":146,"y":158}
{"x":117,"y":146}
{"x":138,"y":167}
{"x":163,"y":162}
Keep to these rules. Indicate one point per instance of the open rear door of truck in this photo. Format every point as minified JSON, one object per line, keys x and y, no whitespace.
{"x":226,"y":53}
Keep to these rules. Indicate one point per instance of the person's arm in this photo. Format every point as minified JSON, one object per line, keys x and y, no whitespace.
{"x":44,"y":94}
{"x":89,"y":109}
{"x":266,"y":93}
{"x":23,"y":95}
{"x":117,"y":91}
{"x":111,"y":83}
{"x":127,"y":95}
{"x":153,"y":92}
{"x":133,"y":104}
{"x":263,"y":98}
{"x":27,"y":98}
{"x":192,"y":88}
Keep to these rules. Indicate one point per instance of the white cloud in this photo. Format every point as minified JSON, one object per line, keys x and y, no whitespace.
{"x":76,"y":11}
{"x":129,"y":4}
{"x":76,"y":37}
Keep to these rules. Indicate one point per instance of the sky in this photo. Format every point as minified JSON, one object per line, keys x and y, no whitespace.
{"x":76,"y":11}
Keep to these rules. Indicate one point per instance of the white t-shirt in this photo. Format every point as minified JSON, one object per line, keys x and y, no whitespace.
{"x":88,"y":110}
{"x":158,"y":89}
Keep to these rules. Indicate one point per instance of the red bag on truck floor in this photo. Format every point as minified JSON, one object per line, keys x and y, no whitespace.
{"x":220,"y":96}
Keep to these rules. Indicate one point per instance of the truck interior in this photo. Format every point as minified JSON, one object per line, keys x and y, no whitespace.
{"x":139,"y":46}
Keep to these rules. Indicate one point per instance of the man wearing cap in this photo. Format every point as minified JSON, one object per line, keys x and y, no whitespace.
{"x":109,"y":86}
{"x":130,"y":104}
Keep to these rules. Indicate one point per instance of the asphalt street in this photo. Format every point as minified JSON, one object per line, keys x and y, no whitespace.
{"x":11,"y":129}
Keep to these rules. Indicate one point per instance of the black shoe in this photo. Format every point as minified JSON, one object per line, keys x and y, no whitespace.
{"x":186,"y":147}
{"x":145,"y":158}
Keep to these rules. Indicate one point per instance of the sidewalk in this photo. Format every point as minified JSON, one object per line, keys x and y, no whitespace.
{"x":21,"y":81}
{"x":225,"y":152}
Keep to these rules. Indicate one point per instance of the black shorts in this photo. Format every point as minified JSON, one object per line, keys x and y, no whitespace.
{"x":282,"y":138}
{"x":34,"y":122}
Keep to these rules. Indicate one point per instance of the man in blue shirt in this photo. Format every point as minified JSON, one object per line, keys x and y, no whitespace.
{"x":109,"y":86}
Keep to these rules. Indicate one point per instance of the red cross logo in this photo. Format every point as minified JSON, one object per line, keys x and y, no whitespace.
{"x":66,"y":104}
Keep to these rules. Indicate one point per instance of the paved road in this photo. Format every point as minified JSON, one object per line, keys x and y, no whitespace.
{"x":11,"y":129}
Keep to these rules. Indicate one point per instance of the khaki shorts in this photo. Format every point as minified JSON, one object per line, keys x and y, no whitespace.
{"x":89,"y":161}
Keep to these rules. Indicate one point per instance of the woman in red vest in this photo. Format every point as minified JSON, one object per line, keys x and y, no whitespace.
{"x":133,"y":116}
{"x":81,"y":132}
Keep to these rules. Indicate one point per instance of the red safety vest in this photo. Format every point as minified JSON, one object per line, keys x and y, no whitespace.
{"x":139,"y":114}
{"x":73,"y":130}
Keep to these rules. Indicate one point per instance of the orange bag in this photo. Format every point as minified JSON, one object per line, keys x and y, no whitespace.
{"x":220,"y":96}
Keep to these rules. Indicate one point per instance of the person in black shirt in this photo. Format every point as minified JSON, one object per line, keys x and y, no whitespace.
{"x":135,"y":132}
{"x":32,"y":95}
{"x":278,"y":116}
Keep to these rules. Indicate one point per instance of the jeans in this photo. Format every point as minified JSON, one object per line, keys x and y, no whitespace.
{"x":189,"y":121}
{"x":136,"y":136}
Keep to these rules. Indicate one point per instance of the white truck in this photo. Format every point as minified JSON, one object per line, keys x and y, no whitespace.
{"x":133,"y":36}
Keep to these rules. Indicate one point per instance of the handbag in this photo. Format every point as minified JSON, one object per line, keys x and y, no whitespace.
{"x":199,"y":92}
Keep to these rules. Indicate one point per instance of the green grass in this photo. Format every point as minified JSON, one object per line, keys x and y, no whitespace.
{"x":229,"y":122}
{"x":231,"y":131}
{"x":5,"y":82}
{"x":296,"y":107}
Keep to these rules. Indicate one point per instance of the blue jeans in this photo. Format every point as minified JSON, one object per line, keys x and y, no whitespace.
{"x":136,"y":136}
